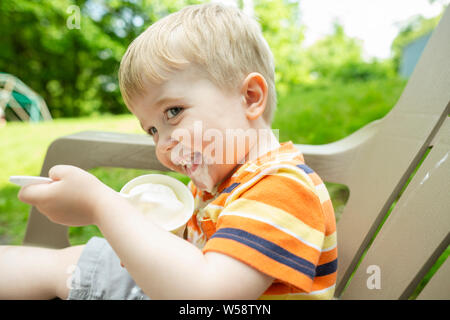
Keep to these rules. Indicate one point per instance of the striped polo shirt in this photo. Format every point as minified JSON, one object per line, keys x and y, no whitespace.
{"x":275,"y":214}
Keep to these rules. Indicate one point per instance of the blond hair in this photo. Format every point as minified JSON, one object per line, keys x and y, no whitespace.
{"x":222,"y":40}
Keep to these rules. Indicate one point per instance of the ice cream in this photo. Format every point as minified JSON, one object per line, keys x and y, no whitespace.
{"x":159,"y":202}
{"x":195,"y":166}
{"x":167,"y":201}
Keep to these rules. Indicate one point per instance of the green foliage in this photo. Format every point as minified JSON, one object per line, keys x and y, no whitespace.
{"x":333,"y":51}
{"x":74,"y":70}
{"x":354,"y":71}
{"x":337,"y":57}
{"x":280,"y":27}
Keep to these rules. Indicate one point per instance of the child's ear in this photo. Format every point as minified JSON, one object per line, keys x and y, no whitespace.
{"x":254,"y":93}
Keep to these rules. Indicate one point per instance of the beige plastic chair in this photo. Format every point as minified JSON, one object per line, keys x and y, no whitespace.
{"x":375,"y":163}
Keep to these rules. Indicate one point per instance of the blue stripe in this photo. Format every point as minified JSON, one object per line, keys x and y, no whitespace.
{"x":305,"y":168}
{"x":326,"y":268}
{"x":230,"y":188}
{"x":269,"y":249}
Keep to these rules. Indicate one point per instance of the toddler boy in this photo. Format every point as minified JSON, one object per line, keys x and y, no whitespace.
{"x":201,"y":83}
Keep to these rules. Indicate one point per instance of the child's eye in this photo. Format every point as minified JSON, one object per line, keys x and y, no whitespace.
{"x":152,"y":131}
{"x":173,"y":112}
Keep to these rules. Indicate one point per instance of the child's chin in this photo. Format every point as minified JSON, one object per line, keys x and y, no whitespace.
{"x":207,"y":186}
{"x":201,"y":177}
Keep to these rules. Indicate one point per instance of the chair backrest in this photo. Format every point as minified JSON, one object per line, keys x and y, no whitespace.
{"x":439,"y":285}
{"x":376,"y":162}
{"x":414,"y":235}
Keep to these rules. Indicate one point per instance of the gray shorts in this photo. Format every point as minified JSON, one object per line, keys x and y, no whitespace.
{"x":99,"y":275}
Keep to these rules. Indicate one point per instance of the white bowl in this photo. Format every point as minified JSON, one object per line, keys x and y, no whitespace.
{"x":181,"y":191}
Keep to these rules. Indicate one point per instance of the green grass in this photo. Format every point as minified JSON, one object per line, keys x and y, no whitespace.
{"x":23,"y":147}
{"x":319,"y":115}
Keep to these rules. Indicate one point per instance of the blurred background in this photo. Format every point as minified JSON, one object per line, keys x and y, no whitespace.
{"x":339,"y":65}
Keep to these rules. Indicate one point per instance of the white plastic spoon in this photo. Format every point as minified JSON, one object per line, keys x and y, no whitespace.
{"x":28,"y":180}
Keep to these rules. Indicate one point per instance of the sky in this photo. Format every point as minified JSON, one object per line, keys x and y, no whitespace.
{"x":375,"y":22}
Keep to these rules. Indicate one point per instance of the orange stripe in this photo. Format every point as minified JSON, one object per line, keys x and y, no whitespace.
{"x":330,"y":220}
{"x":259,"y":261}
{"x":192,"y":224}
{"x":194,"y":190}
{"x":323,"y":282}
{"x":289,"y":196}
{"x":208,"y":227}
{"x":315,"y":178}
{"x":271,"y":234}
{"x":246,"y":175}
{"x":328,"y":256}
{"x":279,"y":288}
{"x":207,"y":196}
{"x":320,"y":283}
{"x":220,"y":200}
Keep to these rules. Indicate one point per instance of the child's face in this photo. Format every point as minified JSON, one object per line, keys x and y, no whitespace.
{"x":188,"y":117}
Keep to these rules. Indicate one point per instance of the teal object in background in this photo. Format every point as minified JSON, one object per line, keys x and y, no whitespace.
{"x":29,"y":105}
{"x":411,"y":54}
{"x":19,"y":102}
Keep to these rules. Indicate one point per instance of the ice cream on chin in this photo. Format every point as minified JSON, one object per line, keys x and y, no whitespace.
{"x":159,"y":202}
{"x":202,"y":178}
{"x":196,"y":167}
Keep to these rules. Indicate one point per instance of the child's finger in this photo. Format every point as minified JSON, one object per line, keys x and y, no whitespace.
{"x":58,"y":171}
{"x":34,"y":193}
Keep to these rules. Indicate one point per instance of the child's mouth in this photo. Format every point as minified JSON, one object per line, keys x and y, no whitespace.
{"x":190,"y":169}
{"x":195,"y":162}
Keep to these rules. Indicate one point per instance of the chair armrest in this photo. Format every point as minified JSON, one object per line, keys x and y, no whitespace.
{"x":333,"y":160}
{"x":87,"y":150}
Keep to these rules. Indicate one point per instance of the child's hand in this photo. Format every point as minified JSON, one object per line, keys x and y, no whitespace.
{"x":70,"y":199}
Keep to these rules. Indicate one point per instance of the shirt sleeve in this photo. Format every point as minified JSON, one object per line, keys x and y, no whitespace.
{"x":277,"y":227}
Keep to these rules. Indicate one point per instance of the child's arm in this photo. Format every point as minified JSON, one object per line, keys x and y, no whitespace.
{"x":162,"y":264}
{"x":168,"y":267}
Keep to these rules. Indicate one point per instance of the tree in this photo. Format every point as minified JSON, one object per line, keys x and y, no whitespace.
{"x":74,"y":70}
{"x":282,"y":30}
